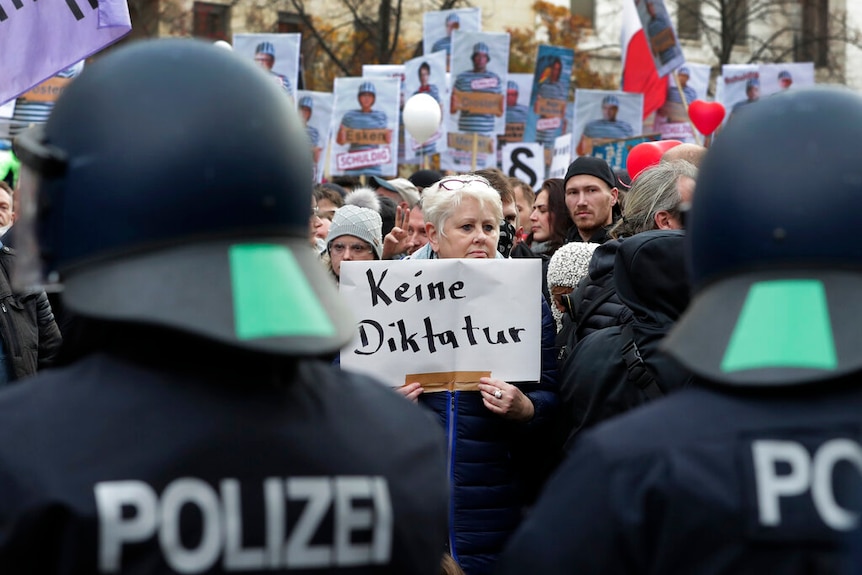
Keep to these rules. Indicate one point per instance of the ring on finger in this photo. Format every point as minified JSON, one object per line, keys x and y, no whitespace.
{"x":498,"y":394}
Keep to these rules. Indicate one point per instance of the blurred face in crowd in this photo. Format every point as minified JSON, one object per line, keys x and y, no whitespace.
{"x":524,"y":198}
{"x":471,"y":232}
{"x":366,"y":101}
{"x":394,"y":196}
{"x":326,"y":209}
{"x":348,"y":248}
{"x":510,"y":214}
{"x":590,"y":202}
{"x":685,"y":187}
{"x":540,"y":218}
{"x":556,"y":70}
{"x":265,"y":61}
{"x":416,"y":234}
{"x":314,"y":223}
{"x":323,"y":229}
{"x":511,"y":98}
{"x":753,"y":93}
{"x":480,"y":61}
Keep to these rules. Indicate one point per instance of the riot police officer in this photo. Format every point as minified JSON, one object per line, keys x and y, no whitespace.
{"x":169,"y":195}
{"x":754,"y":469}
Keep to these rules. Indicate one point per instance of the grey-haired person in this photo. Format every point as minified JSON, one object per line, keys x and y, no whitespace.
{"x":500,"y":434}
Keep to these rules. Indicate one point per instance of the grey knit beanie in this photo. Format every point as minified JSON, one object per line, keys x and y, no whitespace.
{"x":363,"y":223}
{"x":567,"y":266}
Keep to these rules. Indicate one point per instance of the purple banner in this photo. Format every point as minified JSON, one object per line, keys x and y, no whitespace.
{"x":39,"y":39}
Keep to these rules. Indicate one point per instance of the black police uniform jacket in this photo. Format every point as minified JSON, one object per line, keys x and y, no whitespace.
{"x":708,"y":480}
{"x":115,"y":465}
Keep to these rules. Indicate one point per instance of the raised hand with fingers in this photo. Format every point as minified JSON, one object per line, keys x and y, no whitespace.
{"x":395,"y":242}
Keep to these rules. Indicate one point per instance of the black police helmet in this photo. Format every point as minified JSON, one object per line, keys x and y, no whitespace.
{"x":774,"y":252}
{"x":176,"y":191}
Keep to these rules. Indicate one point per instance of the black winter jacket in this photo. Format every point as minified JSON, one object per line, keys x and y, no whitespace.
{"x":31,"y":338}
{"x":599,"y":280}
{"x":596,"y":381}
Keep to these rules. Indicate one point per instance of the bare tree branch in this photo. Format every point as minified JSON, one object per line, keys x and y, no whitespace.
{"x":768,"y":30}
{"x":299,"y":6}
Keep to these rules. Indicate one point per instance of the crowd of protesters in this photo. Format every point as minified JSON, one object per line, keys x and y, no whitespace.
{"x":508,"y":437}
{"x":647,"y":444}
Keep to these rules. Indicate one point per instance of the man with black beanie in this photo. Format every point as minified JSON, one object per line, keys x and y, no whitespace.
{"x":591,"y":194}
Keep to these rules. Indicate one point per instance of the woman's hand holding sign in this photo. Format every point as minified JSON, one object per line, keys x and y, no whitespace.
{"x":411,"y":391}
{"x":505,"y":399}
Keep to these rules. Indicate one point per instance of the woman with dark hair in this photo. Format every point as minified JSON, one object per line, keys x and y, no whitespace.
{"x":549,"y":224}
{"x":550,"y":219}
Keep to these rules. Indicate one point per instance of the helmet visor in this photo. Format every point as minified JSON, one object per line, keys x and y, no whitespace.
{"x":27,"y":271}
{"x":38,"y":161}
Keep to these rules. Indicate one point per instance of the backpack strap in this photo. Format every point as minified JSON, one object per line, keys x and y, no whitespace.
{"x":638,"y":372}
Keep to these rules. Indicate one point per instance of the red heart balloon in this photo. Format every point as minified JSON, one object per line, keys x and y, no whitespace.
{"x":706,"y":116}
{"x":643,"y":156}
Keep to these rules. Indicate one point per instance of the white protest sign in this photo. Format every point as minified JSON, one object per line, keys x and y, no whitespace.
{"x":449,"y":315}
{"x":562,"y":156}
{"x":525,"y":161}
{"x":39,"y":39}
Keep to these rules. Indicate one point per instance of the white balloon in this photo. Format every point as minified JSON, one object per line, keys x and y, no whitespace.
{"x":223,"y":44}
{"x":422,"y":116}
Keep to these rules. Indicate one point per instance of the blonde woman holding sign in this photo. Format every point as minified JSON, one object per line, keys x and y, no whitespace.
{"x":500,"y":442}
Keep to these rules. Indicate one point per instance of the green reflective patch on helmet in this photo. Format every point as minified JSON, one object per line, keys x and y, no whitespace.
{"x":783,"y":323}
{"x":271,"y":295}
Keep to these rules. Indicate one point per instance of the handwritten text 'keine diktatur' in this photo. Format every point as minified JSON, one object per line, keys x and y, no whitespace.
{"x":423,"y":316}
{"x":373,"y":335}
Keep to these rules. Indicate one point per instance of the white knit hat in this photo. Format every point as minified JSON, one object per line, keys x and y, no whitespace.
{"x":568,"y":265}
{"x":363,"y":223}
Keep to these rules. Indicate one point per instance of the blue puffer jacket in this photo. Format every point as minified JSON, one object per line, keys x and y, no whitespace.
{"x":496,"y":465}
